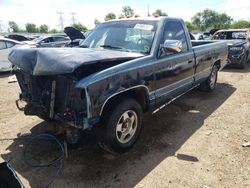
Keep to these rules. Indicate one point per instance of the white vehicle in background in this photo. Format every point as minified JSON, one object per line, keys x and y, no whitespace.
{"x":6,"y":45}
{"x":202,"y":36}
{"x":50,"y":41}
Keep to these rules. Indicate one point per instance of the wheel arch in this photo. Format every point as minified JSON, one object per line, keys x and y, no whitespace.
{"x":139,"y":93}
{"x":217,"y":63}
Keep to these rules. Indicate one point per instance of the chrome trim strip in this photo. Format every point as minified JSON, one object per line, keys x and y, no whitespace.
{"x":89,"y":114}
{"x":161,"y":107}
{"x":165,"y":87}
{"x":173,"y":90}
{"x":52,"y":99}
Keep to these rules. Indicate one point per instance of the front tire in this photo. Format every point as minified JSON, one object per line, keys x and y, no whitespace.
{"x":244,"y":62}
{"x":121,"y":125}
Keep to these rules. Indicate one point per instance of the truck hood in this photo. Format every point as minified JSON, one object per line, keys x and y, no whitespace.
{"x":236,"y":42}
{"x":53,"y":61}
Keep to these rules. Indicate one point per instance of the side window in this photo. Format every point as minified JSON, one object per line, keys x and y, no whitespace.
{"x":2,"y":45}
{"x":58,"y":39}
{"x":10,"y":44}
{"x":174,"y":31}
{"x":48,"y":40}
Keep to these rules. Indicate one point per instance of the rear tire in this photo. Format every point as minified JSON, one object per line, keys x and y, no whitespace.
{"x":120,"y":126}
{"x":210,"y":83}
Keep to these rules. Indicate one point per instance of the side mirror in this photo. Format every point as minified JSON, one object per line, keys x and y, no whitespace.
{"x":172,"y":46}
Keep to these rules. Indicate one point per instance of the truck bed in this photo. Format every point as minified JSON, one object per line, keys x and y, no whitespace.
{"x":202,"y":42}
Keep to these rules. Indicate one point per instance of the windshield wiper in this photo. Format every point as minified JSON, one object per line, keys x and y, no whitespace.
{"x":83,"y":46}
{"x":111,"y":47}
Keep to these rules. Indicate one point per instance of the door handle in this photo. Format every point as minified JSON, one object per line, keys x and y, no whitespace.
{"x":190,"y":61}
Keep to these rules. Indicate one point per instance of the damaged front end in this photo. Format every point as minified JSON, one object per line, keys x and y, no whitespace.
{"x":236,"y":55}
{"x":53,"y":97}
{"x":48,"y":80}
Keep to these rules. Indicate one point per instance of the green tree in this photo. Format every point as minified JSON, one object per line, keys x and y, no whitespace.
{"x":13,"y":25}
{"x":240,"y":24}
{"x":110,"y":16}
{"x":31,"y":28}
{"x":210,"y":19}
{"x":80,"y":27}
{"x":190,"y":26}
{"x":53,"y":31}
{"x":127,"y":11}
{"x":44,"y":28}
{"x":158,"y":12}
{"x":97,"y":22}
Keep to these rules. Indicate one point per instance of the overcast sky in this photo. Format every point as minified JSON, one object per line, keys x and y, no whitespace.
{"x":45,"y":11}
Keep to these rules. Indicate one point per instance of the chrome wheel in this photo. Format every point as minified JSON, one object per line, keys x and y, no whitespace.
{"x":213,"y":78}
{"x":126,"y":126}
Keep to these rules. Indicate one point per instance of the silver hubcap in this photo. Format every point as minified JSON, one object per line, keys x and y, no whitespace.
{"x":212,"y":78}
{"x":126,"y":126}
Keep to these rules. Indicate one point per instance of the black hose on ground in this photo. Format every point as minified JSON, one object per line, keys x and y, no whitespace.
{"x":58,"y":160}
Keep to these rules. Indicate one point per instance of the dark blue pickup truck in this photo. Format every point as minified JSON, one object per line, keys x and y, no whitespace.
{"x":122,"y":70}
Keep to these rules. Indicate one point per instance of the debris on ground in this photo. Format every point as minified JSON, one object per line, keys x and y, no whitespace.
{"x":12,"y":79}
{"x":208,"y":133}
{"x":247,"y":144}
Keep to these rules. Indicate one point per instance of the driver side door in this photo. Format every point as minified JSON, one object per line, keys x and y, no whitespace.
{"x":174,"y":72}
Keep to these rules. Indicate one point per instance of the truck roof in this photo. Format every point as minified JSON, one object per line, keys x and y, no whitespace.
{"x":225,"y":30}
{"x":145,"y":18}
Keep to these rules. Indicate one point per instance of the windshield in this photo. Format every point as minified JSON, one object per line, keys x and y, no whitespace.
{"x":126,"y":35}
{"x":229,"y":35}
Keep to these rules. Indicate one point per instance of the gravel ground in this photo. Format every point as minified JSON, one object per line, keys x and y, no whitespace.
{"x":194,"y":142}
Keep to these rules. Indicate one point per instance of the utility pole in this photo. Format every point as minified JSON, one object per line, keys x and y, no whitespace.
{"x":61,"y":20}
{"x":148,"y":11}
{"x":73,"y":17}
{"x":1,"y":30}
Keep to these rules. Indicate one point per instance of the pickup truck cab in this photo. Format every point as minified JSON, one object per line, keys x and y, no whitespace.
{"x":123,"y":69}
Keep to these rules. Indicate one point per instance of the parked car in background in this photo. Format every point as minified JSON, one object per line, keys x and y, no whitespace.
{"x":75,"y":36}
{"x":238,"y":43}
{"x":201,"y":36}
{"x":206,"y":35}
{"x":18,"y":37}
{"x":49,"y":41}
{"x":6,"y":45}
{"x":123,"y":69}
{"x":198,"y":36}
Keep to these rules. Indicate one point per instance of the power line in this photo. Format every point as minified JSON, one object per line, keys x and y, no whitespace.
{"x":61,"y":20}
{"x":73,"y":17}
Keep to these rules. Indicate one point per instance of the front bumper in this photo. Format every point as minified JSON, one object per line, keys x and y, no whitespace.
{"x":54,"y":97}
{"x":236,"y":58}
